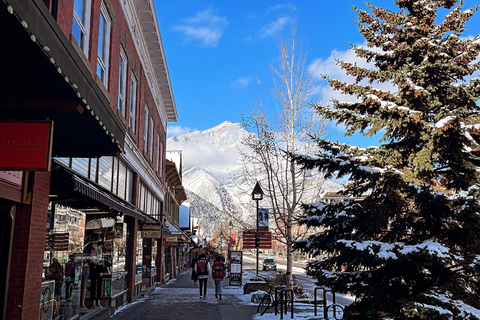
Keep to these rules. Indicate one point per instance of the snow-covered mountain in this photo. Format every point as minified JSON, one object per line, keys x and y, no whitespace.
{"x":212,"y":176}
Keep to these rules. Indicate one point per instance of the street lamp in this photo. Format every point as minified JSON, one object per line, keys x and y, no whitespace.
{"x":257,"y":195}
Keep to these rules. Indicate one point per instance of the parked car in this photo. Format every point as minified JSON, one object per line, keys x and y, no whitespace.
{"x":269,"y":264}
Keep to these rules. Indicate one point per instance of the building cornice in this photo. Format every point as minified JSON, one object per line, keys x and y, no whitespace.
{"x":142,"y":21}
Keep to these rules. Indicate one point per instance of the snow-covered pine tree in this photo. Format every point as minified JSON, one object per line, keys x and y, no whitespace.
{"x":410,"y":243}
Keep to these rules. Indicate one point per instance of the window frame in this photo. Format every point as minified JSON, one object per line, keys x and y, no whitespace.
{"x":150,"y":142}
{"x":158,"y":152}
{"x":145,"y":130}
{"x":122,"y":82}
{"x":132,"y":104}
{"x":83,"y":24}
{"x":103,"y":50}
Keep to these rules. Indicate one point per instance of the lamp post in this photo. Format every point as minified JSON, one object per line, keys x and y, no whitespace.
{"x":230,"y":227}
{"x":257,"y":195}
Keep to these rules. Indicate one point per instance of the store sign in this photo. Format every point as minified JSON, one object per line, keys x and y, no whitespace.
{"x":155,"y":234}
{"x":14,"y":177}
{"x":151,"y":227}
{"x":26,"y":145}
{"x":171,"y":239}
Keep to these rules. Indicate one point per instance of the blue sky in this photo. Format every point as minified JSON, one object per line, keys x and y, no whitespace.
{"x":219,"y":52}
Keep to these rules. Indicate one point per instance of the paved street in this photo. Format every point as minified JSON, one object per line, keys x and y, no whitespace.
{"x":179,"y":299}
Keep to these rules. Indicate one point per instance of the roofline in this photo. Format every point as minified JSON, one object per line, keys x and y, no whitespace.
{"x":141,"y":18}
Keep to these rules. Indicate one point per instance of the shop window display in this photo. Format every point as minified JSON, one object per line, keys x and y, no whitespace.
{"x":105,"y":254}
{"x":62,"y":265}
{"x":84,"y":263}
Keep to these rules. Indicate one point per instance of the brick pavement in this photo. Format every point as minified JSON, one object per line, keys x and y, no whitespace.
{"x":179,"y":300}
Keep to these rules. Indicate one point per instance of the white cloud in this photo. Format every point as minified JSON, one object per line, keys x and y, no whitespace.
{"x":273,"y":28}
{"x":242,"y":82}
{"x":205,"y":26}
{"x":177,"y":130}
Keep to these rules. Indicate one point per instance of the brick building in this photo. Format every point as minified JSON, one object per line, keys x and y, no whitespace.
{"x":94,"y":74}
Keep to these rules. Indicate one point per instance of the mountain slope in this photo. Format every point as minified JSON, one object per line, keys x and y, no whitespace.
{"x":212,"y":176}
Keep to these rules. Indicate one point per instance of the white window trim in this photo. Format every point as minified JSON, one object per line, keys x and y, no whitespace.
{"x":133,"y":103}
{"x":84,"y":25}
{"x":106,"y":49}
{"x":151,"y":139}
{"x":158,"y":152}
{"x":122,"y":82}
{"x":145,"y":130}
{"x":161,"y":159}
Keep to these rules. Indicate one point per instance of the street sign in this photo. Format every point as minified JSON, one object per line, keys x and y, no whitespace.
{"x":265,"y":238}
{"x":235,"y":266}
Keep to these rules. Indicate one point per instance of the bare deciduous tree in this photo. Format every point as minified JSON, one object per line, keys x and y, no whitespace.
{"x":267,"y":158}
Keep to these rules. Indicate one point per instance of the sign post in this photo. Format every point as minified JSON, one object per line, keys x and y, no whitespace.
{"x":235,"y":268}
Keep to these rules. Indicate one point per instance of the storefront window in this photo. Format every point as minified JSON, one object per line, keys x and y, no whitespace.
{"x":62,"y":265}
{"x":105,"y":254}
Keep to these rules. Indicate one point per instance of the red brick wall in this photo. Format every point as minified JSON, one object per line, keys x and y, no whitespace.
{"x":120,"y":36}
{"x":65,"y":17}
{"x":27,"y":252}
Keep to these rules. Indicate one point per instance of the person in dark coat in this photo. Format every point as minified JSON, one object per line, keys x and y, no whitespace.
{"x":202,"y":270}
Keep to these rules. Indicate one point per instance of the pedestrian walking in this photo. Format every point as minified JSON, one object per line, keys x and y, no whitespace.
{"x":218,"y":274}
{"x":194,"y":276}
{"x":202,"y":271}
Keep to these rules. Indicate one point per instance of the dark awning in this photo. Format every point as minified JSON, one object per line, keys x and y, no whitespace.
{"x":74,"y":191}
{"x":45,"y":78}
{"x":110,"y":201}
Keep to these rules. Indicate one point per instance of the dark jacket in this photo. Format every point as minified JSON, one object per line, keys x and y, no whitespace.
{"x":202,"y":269}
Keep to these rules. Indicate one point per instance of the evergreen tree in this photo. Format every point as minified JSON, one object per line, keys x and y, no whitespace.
{"x":409,"y":243}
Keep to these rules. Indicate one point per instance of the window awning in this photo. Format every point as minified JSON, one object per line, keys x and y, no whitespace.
{"x":93,"y":192}
{"x":74,"y":191}
{"x":174,"y":231}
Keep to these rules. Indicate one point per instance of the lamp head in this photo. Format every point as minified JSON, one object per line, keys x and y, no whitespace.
{"x":257,"y":193}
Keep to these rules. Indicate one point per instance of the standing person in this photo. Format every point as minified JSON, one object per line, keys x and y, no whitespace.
{"x":202,"y":270}
{"x":194,"y":274}
{"x":96,"y":270}
{"x":218,"y":274}
{"x":55,"y":272}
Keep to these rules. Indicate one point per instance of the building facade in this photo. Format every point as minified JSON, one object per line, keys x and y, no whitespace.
{"x":86,"y":229}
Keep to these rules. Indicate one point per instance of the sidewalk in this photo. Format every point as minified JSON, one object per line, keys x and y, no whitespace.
{"x":179,"y":299}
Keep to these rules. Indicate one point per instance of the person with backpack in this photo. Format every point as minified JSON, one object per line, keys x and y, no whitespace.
{"x":218,"y":274}
{"x":202,"y":271}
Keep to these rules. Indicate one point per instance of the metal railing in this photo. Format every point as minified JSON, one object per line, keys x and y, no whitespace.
{"x":283,"y":301}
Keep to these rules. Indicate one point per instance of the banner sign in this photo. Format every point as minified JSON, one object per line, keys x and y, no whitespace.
{"x":233,"y":238}
{"x":263,"y":219}
{"x":235,"y":266}
{"x":26,"y":145}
